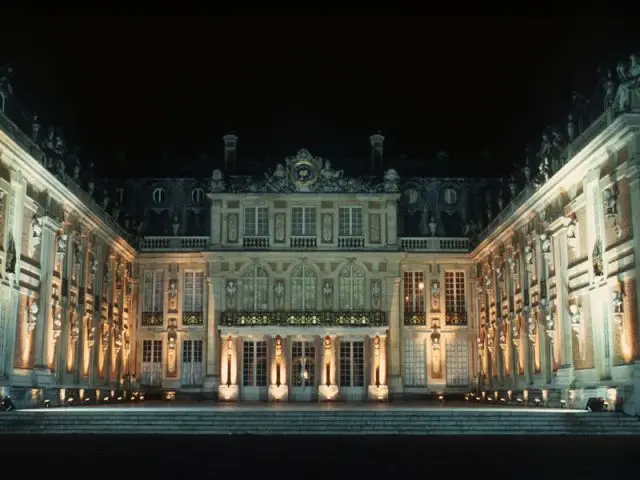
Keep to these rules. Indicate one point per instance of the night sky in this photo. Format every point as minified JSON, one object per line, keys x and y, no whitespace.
{"x":175,"y":85}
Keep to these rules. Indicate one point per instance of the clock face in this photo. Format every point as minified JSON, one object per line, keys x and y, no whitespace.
{"x":303,"y":173}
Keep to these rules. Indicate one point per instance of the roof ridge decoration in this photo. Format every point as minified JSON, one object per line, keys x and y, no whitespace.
{"x":305,"y":173}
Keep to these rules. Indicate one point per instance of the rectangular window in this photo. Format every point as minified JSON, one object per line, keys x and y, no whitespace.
{"x":457,"y":364}
{"x":350,"y":222}
{"x":254,"y":364}
{"x":192,"y":365}
{"x":303,"y":361}
{"x":193,"y":292}
{"x":256,"y":222}
{"x":415,"y":357}
{"x":153,"y":291}
{"x":454,"y":298}
{"x":413,"y":293}
{"x":303,"y":221}
{"x":351,"y":363}
{"x":151,"y":371}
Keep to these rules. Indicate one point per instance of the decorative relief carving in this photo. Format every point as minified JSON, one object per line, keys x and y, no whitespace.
{"x":327,"y":294}
{"x":280,"y":228}
{"x":375,"y":228}
{"x":35,"y":238}
{"x":327,"y":228}
{"x":278,"y":293}
{"x":173,"y":295}
{"x":617,"y":304}
{"x":376,"y":294}
{"x":32,"y":315}
{"x":435,"y":296}
{"x":230,"y":293}
{"x":232,"y":228}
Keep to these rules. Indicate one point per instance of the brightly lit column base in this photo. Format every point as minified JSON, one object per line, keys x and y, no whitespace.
{"x":378,"y":392}
{"x":228,"y":393}
{"x":278,"y":393}
{"x":328,"y":392}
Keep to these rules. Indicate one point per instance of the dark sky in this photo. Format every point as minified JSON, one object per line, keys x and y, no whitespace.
{"x":177,"y":84}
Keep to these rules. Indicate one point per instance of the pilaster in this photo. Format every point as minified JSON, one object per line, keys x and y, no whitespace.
{"x":395,"y":332}
{"x":43,"y":334}
{"x":214,"y":307}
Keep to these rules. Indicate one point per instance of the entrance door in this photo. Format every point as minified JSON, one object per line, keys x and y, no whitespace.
{"x":352,"y":369}
{"x":303,"y":371}
{"x":254,"y":370}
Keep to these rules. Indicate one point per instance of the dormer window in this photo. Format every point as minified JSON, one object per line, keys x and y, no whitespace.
{"x":158,"y":196}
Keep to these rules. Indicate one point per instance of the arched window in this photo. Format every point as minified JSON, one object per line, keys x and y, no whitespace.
{"x":351,"y":285}
{"x":303,"y":288}
{"x":255,"y":288}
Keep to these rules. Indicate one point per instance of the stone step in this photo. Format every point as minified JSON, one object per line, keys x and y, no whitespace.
{"x":258,"y":422}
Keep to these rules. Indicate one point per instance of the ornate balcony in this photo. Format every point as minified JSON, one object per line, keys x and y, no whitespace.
{"x":305,"y":319}
{"x":192,"y":319}
{"x":434,"y":244}
{"x":456,"y":319}
{"x":300,"y":242}
{"x":168,"y":244}
{"x":256,"y":243}
{"x":152,"y":319}
{"x":415,"y":319}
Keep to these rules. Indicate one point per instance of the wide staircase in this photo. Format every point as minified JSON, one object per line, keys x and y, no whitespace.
{"x":352,"y":421}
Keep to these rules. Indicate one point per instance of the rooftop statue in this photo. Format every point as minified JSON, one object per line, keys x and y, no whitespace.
{"x":305,"y":173}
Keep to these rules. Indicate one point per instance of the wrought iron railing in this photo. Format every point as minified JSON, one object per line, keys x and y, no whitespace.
{"x":355,"y":319}
{"x":434,"y":244}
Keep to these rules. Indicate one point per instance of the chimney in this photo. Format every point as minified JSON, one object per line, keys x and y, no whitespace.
{"x":377,"y":145}
{"x":230,"y":141}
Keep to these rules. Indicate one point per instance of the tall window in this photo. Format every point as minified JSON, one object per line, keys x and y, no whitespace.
{"x":303,"y":221}
{"x":454,"y":292}
{"x":303,"y":288}
{"x":351,"y":284}
{"x":255,"y":288}
{"x":193,"y":292}
{"x":457,"y":364}
{"x":413,"y":293}
{"x":192,"y":365}
{"x":351,"y":363}
{"x":254,"y":364}
{"x":303,"y":355}
{"x":151,"y":371}
{"x":153,"y":291}
{"x":415,"y":357}
{"x":350,"y":222}
{"x":256,"y":221}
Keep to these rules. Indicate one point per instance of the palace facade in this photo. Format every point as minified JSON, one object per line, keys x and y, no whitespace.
{"x":312,"y":285}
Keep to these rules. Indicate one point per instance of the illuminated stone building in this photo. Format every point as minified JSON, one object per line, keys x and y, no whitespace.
{"x":310,"y":284}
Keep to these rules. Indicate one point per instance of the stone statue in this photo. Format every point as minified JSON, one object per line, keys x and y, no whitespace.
{"x":276,"y":181}
{"x":36,"y":126}
{"x":571,"y":128}
{"x":105,"y":200}
{"x":391,"y":179}
{"x":609,"y":90}
{"x":175,"y":226}
{"x":629,"y":76}
{"x":433,"y":227}
{"x":610,"y":202}
{"x":6,"y":89}
{"x":76,"y":170}
{"x":617,"y":301}
{"x":217,"y":181}
{"x":513,"y":186}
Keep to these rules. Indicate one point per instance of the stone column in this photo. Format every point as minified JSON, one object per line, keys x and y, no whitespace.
{"x":278,"y":388}
{"x":378,"y":389}
{"x":563,"y":322}
{"x":395,"y":334}
{"x":228,"y":387}
{"x":43,"y":335}
{"x":14,"y":219}
{"x":214,"y":304}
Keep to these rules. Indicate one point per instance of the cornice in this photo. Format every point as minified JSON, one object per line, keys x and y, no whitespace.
{"x":43,"y":180}
{"x":593,"y":155}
